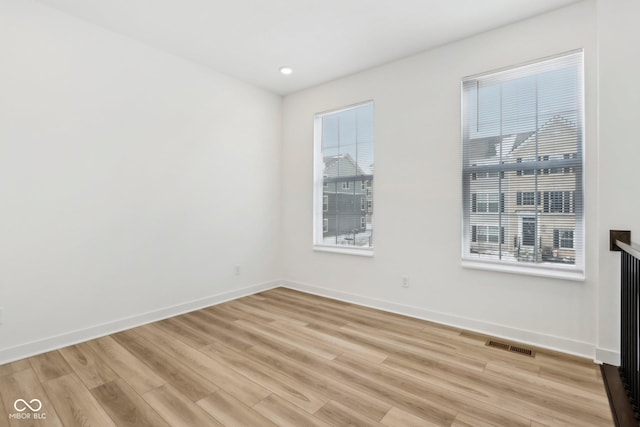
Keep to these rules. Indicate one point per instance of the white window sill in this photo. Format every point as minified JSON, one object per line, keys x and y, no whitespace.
{"x":569,"y":273}
{"x":368,"y":252}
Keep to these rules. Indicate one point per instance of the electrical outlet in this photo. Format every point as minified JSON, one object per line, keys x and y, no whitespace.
{"x":405,"y":281}
{"x":237,"y":270}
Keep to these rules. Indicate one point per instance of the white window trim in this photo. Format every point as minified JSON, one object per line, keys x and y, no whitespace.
{"x":556,"y":272}
{"x":318,"y":189}
{"x":366,"y":252}
{"x":574,"y":272}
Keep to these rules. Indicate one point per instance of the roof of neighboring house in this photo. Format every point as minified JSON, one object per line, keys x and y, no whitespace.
{"x":331,"y":160}
{"x":554,"y":121}
{"x":521,"y":138}
{"x":487,"y":148}
{"x":484,"y":148}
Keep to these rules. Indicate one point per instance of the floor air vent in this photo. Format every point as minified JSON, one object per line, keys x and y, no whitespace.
{"x":508,"y":347}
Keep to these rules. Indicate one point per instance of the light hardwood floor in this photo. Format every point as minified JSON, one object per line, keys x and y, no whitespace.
{"x":285,"y":358}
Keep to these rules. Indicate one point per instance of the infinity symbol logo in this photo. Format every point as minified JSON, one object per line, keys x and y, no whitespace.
{"x":35,"y":408}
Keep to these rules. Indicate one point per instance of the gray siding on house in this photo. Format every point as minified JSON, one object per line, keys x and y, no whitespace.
{"x":347,"y":202}
{"x":344,"y":212}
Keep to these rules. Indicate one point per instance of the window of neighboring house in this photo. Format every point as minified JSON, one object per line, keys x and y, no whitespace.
{"x":525,"y":198}
{"x":520,"y":172}
{"x":568,"y":156}
{"x":343,"y":157}
{"x":481,"y":175}
{"x":369,"y":205}
{"x":487,"y":203}
{"x":558,"y":202}
{"x":525,"y":125}
{"x":553,"y":157}
{"x":563,"y":239}
{"x":487,"y":234}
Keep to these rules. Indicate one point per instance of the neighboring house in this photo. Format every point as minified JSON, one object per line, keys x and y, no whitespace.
{"x":347,"y":200}
{"x":527,"y":214}
{"x":369,"y":201}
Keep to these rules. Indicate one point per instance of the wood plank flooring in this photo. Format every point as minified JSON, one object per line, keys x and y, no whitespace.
{"x":285,"y":358}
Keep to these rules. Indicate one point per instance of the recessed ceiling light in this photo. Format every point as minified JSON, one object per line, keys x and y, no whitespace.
{"x":286,"y":70}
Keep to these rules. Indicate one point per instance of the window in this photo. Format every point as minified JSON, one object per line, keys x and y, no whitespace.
{"x":563,"y":239}
{"x":482,"y":175}
{"x":487,"y":203}
{"x":558,"y":201}
{"x":487,"y":234}
{"x":526,"y":198}
{"x":343,"y":173}
{"x":520,"y":172}
{"x":568,"y":156}
{"x":522,"y":138}
{"x":554,"y":157}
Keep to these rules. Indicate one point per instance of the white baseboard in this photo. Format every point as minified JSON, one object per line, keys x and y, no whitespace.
{"x":560,"y":344}
{"x":563,"y":345}
{"x":610,"y":357}
{"x":70,"y":338}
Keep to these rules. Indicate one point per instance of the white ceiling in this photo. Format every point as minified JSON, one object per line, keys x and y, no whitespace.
{"x":320,"y":40}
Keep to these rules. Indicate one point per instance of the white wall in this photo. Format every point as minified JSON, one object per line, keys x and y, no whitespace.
{"x":418,"y":192}
{"x":131,"y":182}
{"x":619,"y":151}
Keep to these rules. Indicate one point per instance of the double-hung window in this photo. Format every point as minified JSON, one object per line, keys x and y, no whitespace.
{"x":343,"y":170}
{"x":522,"y":172}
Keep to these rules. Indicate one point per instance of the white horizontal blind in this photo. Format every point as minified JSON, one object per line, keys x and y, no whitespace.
{"x":523,"y":164}
{"x":344,"y":178}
